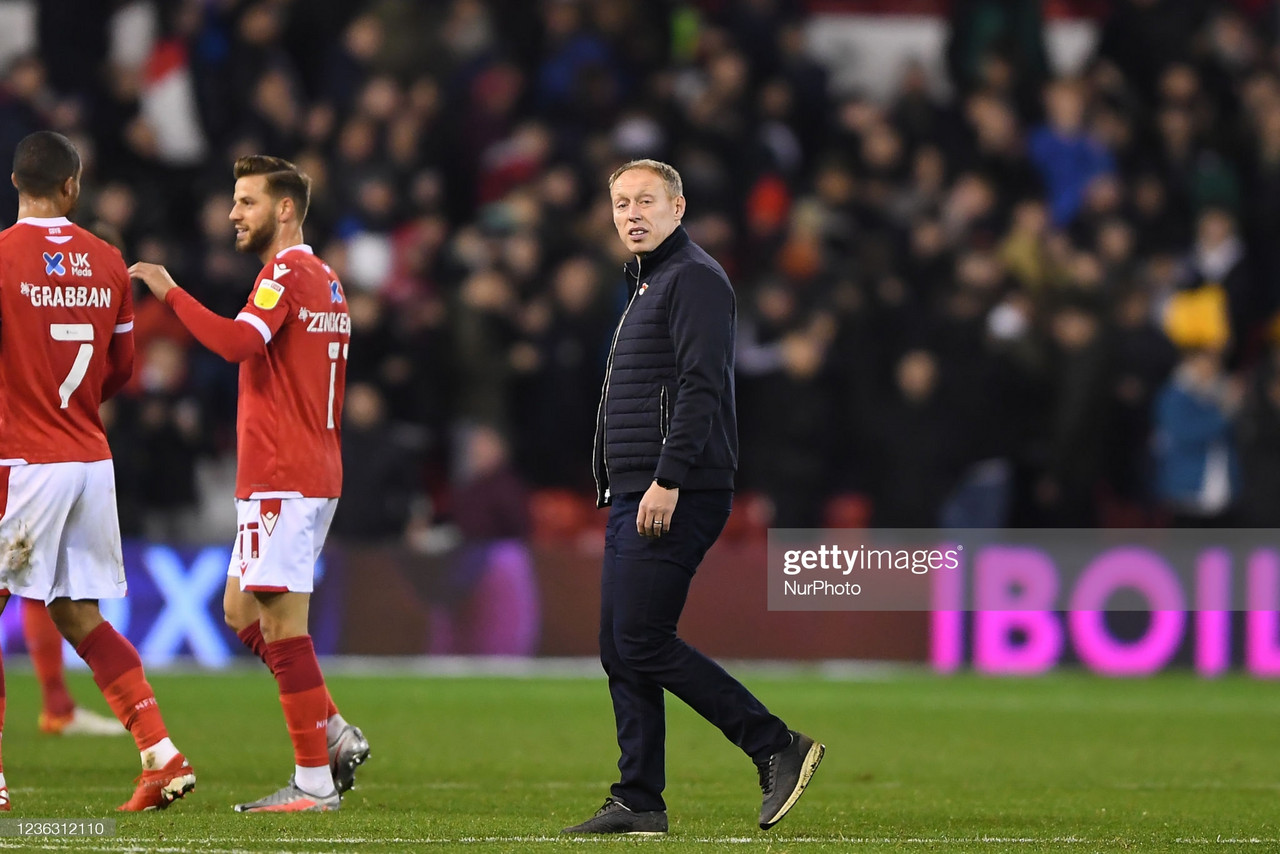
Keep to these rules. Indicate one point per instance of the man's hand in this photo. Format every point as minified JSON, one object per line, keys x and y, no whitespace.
{"x":155,"y":277}
{"x":656,"y":509}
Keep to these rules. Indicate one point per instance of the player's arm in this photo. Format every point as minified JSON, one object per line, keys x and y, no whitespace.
{"x":119,"y":363}
{"x":120,"y":352}
{"x":233,"y":340}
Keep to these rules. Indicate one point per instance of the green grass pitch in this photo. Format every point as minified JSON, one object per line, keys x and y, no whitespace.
{"x":914,"y":763}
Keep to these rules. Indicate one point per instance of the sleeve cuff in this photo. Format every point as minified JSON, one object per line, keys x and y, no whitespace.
{"x":671,"y":471}
{"x":257,"y":323}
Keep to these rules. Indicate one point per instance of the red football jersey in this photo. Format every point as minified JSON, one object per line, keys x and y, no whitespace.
{"x":289,"y":423}
{"x":63,"y":294}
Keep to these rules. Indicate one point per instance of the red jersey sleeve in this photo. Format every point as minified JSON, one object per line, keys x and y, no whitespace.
{"x":268,"y":307}
{"x":233,"y":340}
{"x":124,"y":320}
{"x":119,"y":363}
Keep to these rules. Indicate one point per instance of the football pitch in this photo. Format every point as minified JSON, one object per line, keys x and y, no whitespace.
{"x":914,"y":763}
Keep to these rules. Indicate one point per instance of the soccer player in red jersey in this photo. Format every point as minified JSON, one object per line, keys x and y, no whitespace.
{"x":66,"y":344}
{"x":291,"y":343}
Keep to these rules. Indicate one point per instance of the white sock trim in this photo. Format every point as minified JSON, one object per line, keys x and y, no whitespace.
{"x":314,"y":781}
{"x":158,"y":754}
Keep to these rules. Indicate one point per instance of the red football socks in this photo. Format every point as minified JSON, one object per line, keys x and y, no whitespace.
{"x":44,"y":644}
{"x":118,"y":671}
{"x":303,"y":698}
{"x":251,"y":636}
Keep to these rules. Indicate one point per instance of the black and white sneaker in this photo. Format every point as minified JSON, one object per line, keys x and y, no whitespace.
{"x":784,"y":776}
{"x":347,"y":751}
{"x":617,"y":817}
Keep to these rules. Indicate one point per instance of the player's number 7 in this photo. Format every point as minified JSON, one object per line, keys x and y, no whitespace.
{"x":335,"y":349}
{"x":74,"y":332}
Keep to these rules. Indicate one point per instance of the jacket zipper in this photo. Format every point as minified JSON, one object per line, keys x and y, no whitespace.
{"x":662,"y":413}
{"x":601,"y":415}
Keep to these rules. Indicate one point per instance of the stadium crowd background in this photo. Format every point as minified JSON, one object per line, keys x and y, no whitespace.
{"x":1028,"y":301}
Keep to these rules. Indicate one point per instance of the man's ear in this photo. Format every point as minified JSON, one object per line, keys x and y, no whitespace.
{"x":679,"y":206}
{"x":286,"y":211}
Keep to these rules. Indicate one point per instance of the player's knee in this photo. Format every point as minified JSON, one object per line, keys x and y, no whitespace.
{"x":238,"y":612}
{"x":234,"y":621}
{"x":282,"y":615}
{"x":275,"y":628}
{"x":236,"y":615}
{"x":281,"y":623}
{"x":644,"y":648}
{"x":75,"y":620}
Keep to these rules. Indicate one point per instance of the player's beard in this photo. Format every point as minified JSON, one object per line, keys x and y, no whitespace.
{"x":257,"y":240}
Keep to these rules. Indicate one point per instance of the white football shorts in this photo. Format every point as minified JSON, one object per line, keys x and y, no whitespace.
{"x":59,"y":531}
{"x":278,"y":542}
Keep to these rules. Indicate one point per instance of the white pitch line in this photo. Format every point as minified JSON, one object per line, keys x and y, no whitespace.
{"x":142,"y":846}
{"x":1195,"y":786}
{"x":137,"y":848}
{"x":1227,"y":840}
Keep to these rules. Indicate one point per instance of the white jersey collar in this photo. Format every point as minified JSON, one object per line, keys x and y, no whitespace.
{"x":50,"y":221}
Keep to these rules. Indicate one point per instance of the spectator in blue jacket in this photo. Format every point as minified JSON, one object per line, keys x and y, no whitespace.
{"x":1197,"y":469}
{"x":1067,"y":157}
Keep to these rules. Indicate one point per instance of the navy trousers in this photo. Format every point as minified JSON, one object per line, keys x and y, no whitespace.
{"x":643,"y":590}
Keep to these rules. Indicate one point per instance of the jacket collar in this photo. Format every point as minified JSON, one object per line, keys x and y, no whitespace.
{"x":675,"y":241}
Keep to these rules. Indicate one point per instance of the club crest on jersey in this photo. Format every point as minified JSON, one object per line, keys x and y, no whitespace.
{"x":268,"y":294}
{"x":643,"y":288}
{"x":269,"y":514}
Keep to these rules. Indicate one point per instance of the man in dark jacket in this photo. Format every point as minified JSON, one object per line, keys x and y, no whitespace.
{"x":666,"y":432}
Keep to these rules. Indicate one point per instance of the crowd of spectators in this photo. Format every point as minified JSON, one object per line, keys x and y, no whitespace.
{"x":1034,"y":300}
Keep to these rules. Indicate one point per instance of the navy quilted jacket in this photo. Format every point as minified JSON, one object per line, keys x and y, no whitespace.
{"x":667,"y":407}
